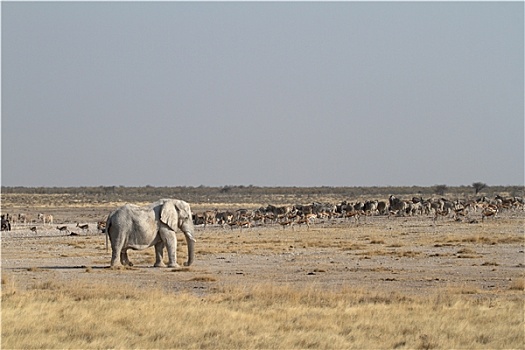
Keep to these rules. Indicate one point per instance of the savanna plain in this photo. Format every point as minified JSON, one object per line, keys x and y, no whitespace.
{"x":385,"y":281}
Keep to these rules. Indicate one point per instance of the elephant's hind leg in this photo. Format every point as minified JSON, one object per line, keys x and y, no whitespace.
{"x":124,"y":258}
{"x":115,"y":256}
{"x":114,"y":260}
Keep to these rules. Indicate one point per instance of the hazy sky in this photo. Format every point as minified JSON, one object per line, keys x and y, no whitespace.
{"x":264,"y":93}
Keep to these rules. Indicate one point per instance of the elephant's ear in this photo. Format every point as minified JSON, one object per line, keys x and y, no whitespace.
{"x":169,"y":215}
{"x":183,"y":209}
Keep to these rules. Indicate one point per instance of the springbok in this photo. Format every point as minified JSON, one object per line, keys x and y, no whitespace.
{"x":62,"y":229}
{"x":286,"y":223}
{"x":489,"y":211}
{"x":84,"y":227}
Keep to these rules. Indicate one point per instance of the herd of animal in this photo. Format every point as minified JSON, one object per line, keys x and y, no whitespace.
{"x":308,"y":214}
{"x":291,"y":215}
{"x":24,"y":219}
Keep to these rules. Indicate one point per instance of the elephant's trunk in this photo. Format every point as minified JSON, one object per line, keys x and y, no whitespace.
{"x":191,"y":249}
{"x":190,"y":240}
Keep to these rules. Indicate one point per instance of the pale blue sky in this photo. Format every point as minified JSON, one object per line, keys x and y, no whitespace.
{"x":264,"y":93}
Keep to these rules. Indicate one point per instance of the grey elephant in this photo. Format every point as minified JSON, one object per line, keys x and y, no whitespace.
{"x":137,"y":228}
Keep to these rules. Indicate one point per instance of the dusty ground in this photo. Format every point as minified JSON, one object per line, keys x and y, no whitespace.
{"x":406,"y":255}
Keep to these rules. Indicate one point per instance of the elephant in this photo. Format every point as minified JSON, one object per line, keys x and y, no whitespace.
{"x":137,"y":228}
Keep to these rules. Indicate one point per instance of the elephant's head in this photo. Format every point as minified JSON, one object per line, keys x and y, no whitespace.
{"x":177,"y":213}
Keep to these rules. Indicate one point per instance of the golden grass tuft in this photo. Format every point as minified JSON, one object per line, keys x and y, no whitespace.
{"x":518,"y":284}
{"x":8,"y":285}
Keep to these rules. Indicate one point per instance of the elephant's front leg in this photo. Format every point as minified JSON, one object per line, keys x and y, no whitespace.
{"x":159,"y":254}
{"x":170,"y":240}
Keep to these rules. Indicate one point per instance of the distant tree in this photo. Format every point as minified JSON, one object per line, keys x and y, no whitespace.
{"x":226,"y":189}
{"x":440,"y":189}
{"x":478,"y":186}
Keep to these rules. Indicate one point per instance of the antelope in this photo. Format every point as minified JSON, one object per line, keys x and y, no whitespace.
{"x":286,"y":223}
{"x":306,"y":219}
{"x":258,"y":218}
{"x":22,"y":218}
{"x":302,"y":220}
{"x":489,"y":211}
{"x":84,"y":227}
{"x":224,"y":218}
{"x":101,"y":225}
{"x":232,"y":224}
{"x":438,"y":213}
{"x":460,"y":212}
{"x":210,"y":217}
{"x":353,"y":214}
{"x":244,"y":223}
{"x":62,"y":229}
{"x":310,"y":217}
{"x":46,"y":218}
{"x":240,"y":224}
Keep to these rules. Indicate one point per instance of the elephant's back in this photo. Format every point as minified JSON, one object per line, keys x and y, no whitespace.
{"x":135,"y":226}
{"x":131,"y":215}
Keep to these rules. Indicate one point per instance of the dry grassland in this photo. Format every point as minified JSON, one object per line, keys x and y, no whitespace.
{"x":261,"y":316}
{"x":386,"y":283}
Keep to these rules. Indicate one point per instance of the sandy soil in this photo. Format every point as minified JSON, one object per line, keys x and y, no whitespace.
{"x":408,"y":255}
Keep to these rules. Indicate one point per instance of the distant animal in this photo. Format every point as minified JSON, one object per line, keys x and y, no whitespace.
{"x":22,"y":218}
{"x":397,"y":205}
{"x":210,"y":217}
{"x":286,"y":223}
{"x":6,"y":225}
{"x":46,"y":218}
{"x":62,"y":229}
{"x":33,"y":229}
{"x":84,"y":227}
{"x":489,"y":211}
{"x":101,"y":226}
{"x":382,"y":207}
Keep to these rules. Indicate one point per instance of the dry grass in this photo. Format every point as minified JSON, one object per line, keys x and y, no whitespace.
{"x":261,"y":316}
{"x":518,"y":284}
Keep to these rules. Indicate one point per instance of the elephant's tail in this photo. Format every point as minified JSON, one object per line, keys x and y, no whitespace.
{"x":108,"y":226}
